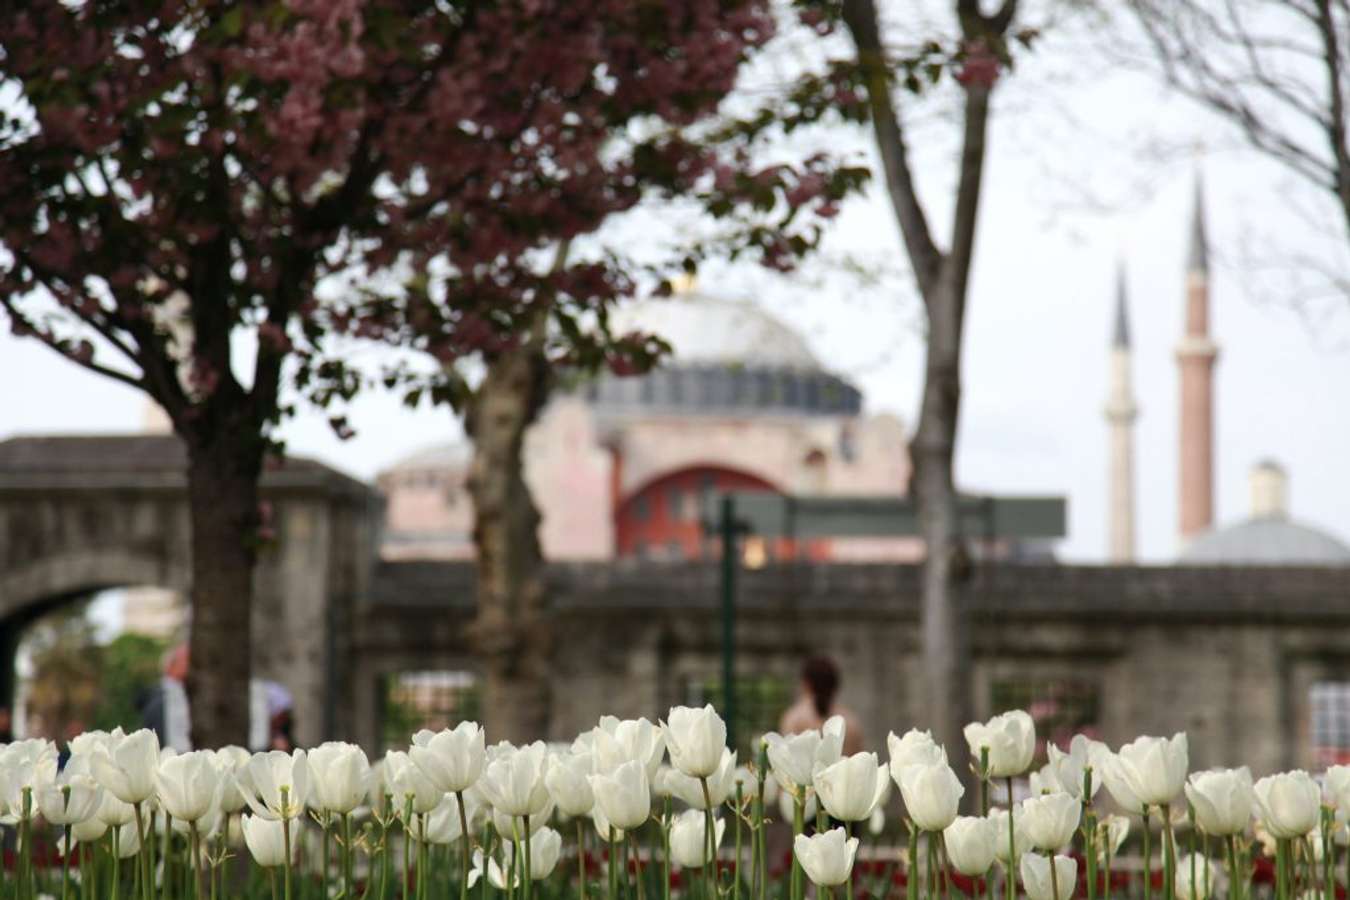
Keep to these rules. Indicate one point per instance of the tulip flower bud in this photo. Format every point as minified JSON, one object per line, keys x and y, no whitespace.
{"x":721,"y":784}
{"x":126,"y":767}
{"x":1289,"y":804}
{"x":1153,"y":768}
{"x":1222,"y":800}
{"x":932,"y":795}
{"x":275,"y":784}
{"x":1111,"y":834}
{"x":339,"y":775}
{"x":851,"y":788}
{"x":688,"y":838}
{"x":1018,"y":839}
{"x":513,"y":782}
{"x":970,"y":843}
{"x":795,"y":758}
{"x":1050,"y":820}
{"x":189,"y":785}
{"x":266,"y":839}
{"x":616,"y":741}
{"x":787,"y":807}
{"x":695,"y":739}
{"x":1010,"y":739}
{"x":408,"y":783}
{"x":229,"y":760}
{"x":624,"y":795}
{"x":1336,"y":788}
{"x":1069,"y":770}
{"x":512,"y":827}
{"x":454,"y":758}
{"x":70,"y":799}
{"x":915,"y":748}
{"x":827,"y":858}
{"x":89,"y":831}
{"x":568,"y":783}
{"x":1195,"y":877}
{"x":1037,"y":880}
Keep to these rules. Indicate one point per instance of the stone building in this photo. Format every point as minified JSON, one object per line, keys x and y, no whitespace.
{"x":619,"y":467}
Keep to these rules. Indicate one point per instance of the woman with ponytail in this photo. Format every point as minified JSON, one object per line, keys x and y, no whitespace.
{"x":816,"y":703}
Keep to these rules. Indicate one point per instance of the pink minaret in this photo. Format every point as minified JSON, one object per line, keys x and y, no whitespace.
{"x":1196,"y":355}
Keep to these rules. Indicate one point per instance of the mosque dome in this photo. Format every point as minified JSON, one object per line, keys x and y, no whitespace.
{"x":1269,"y":537}
{"x":728,"y":357}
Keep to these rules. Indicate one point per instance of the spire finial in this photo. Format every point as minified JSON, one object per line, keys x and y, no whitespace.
{"x":1120,"y":336}
{"x":1198,"y":261}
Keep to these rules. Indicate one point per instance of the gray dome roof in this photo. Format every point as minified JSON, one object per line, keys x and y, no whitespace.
{"x":707,"y":330}
{"x":1267,"y":541}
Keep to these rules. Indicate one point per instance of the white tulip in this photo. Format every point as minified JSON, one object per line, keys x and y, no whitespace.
{"x":126,"y":767}
{"x":932,"y":795}
{"x":971,"y":842}
{"x":1195,"y":877}
{"x":454,"y":758}
{"x":127,"y":840}
{"x":90,"y":830}
{"x":1222,"y":800}
{"x":1050,"y":820}
{"x":1011,"y":740}
{"x":1111,"y":834}
{"x":1117,"y":785}
{"x":87,"y":742}
{"x":623,"y":796}
{"x":695,"y":738}
{"x":1040,"y":884}
{"x":851,"y":788}
{"x":545,"y":848}
{"x":267,"y":776}
{"x":1154,"y":768}
{"x":748,"y":779}
{"x":511,"y":827}
{"x":1289,"y":804}
{"x":826,"y":858}
{"x":70,"y":800}
{"x":441,"y":825}
{"x":568,"y":782}
{"x":1336,"y":788}
{"x":513,"y":781}
{"x":1069,"y":770}
{"x":339,"y":777}
{"x":408,"y":784}
{"x":688,"y":838}
{"x":720,"y":783}
{"x":603,"y":827}
{"x":229,"y":760}
{"x":795,"y":758}
{"x":113,"y":812}
{"x":914,"y":748}
{"x":266,"y":839}
{"x":1003,"y":852}
{"x":26,"y":768}
{"x":189,"y":785}
{"x":616,"y":741}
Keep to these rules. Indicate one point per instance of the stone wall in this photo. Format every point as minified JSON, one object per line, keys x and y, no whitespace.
{"x":1226,"y":654}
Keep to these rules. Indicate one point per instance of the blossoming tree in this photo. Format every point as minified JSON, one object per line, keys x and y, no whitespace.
{"x":209,"y":202}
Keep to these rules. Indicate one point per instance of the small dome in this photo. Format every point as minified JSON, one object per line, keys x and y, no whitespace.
{"x":704,"y":330}
{"x":1267,"y":541}
{"x":449,"y":455}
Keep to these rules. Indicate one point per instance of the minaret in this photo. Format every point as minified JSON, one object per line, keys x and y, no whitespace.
{"x":1196,"y":355}
{"x":1121,"y":412}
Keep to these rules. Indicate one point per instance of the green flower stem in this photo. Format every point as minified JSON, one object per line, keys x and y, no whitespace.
{"x":798,"y":826}
{"x":1328,"y":855}
{"x":527,"y":877}
{"x":142,"y":855}
{"x":26,"y":837}
{"x":665,"y":851}
{"x":736,"y":869}
{"x":1234,"y":888}
{"x":197,"y":862}
{"x":613,"y":866}
{"x":912,"y":873}
{"x":483,"y":882}
{"x":407,"y":844}
{"x":1089,"y":834}
{"x":709,"y":841}
{"x":757,"y":836}
{"x":168,"y":835}
{"x":637,"y":864}
{"x":325,"y":826}
{"x":273,"y":873}
{"x":65,"y":859}
{"x":116,"y":859}
{"x":423,"y":862}
{"x":465,"y":849}
{"x":286,"y":838}
{"x":930,"y":851}
{"x":984,"y":783}
{"x":581,"y":860}
{"x":1107,"y":855}
{"x":1169,"y":853}
{"x":347,"y":856}
{"x":1148,"y":857}
{"x":1012,"y":846}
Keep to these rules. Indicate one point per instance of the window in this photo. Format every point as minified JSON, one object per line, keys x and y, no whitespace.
{"x":760,"y":701}
{"x":1061,"y":707}
{"x":428,"y":699}
{"x":1329,"y":714}
{"x":642,"y":508}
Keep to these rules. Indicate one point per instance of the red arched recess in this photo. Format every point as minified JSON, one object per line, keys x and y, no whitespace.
{"x":661,"y":519}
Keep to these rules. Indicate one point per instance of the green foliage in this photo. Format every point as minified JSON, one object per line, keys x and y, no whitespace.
{"x":130,"y":666}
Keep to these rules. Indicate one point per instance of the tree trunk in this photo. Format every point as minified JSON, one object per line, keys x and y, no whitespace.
{"x":511,"y":633}
{"x":223,"y":501}
{"x":946,"y":660}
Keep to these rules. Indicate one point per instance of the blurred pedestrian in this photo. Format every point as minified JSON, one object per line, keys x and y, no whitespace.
{"x":816,"y":703}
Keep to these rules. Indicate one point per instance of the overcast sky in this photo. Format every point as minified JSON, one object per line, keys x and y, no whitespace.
{"x":1070,"y":189}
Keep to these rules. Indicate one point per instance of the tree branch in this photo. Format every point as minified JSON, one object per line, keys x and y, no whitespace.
{"x":7,"y":303}
{"x":924,"y":256}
